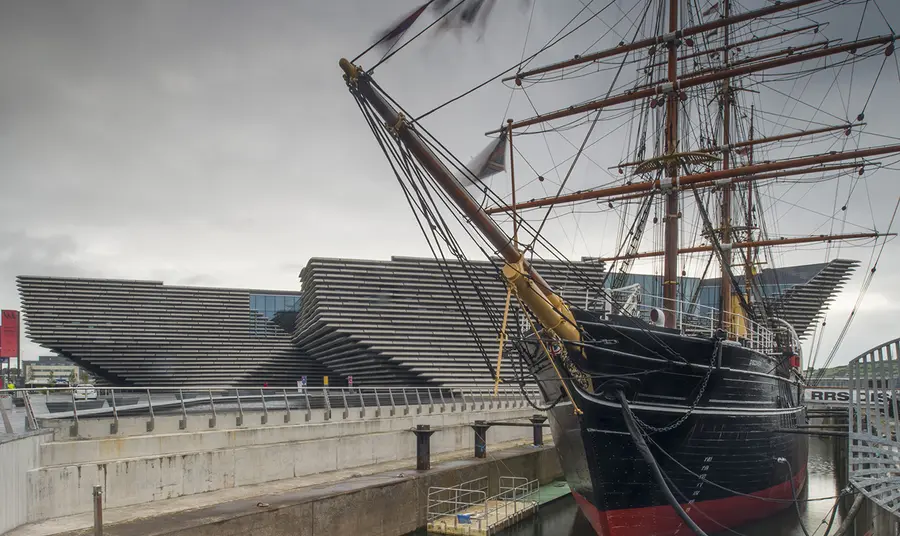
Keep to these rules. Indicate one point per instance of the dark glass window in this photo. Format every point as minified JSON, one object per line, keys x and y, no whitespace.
{"x":273,"y":314}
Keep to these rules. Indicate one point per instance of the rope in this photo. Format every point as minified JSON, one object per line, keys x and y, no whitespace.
{"x":641,"y":445}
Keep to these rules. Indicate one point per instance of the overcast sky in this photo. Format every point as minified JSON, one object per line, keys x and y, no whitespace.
{"x":213,"y":142}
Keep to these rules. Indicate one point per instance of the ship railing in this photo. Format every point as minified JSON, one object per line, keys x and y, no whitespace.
{"x":874,"y":421}
{"x":24,"y":409}
{"x":690,"y":318}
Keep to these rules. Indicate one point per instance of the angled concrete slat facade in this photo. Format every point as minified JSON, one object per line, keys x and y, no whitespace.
{"x":398,"y":322}
{"x":147,"y":333}
{"x":395,"y":322}
{"x":803,"y":304}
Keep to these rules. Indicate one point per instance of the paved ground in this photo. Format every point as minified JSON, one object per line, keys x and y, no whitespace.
{"x":139,"y":518}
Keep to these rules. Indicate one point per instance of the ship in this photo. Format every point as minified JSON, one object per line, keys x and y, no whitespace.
{"x":669,"y":417}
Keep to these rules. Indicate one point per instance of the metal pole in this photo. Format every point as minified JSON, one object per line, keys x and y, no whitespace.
{"x":538,"y":422}
{"x":423,"y":446}
{"x":481,"y":428}
{"x":98,"y":510}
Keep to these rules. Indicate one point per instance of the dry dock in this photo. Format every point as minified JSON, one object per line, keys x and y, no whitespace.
{"x":383,"y":500}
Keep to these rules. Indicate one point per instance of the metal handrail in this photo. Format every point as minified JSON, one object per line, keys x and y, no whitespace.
{"x":153,"y":400}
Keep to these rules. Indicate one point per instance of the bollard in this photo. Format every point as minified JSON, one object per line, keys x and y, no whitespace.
{"x":481,"y":428}
{"x":423,"y":446}
{"x":538,"y":422}
{"x":98,"y":511}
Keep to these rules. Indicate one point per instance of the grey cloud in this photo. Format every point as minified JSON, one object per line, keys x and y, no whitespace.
{"x":214,"y":142}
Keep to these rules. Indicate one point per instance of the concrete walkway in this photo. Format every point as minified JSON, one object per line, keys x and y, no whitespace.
{"x":199,"y":514}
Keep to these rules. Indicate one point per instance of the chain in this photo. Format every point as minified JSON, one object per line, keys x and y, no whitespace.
{"x":690,"y":410}
{"x":558,"y":347}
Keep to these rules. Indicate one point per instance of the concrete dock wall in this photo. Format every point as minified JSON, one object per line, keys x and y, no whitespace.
{"x":376,"y":505}
{"x":18,"y":455}
{"x":141,"y":469}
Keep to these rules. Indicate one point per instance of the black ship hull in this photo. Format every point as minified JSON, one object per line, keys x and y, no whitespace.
{"x":725,"y":444}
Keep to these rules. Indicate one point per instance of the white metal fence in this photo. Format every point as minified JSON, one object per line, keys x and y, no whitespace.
{"x":874,"y":421}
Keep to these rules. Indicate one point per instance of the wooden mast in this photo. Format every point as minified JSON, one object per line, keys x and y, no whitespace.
{"x":751,"y":41}
{"x":748,"y":265}
{"x":753,"y":244}
{"x":702,"y":178}
{"x":687,"y":32}
{"x":725,"y":221}
{"x":694,"y":81}
{"x":530,"y":287}
{"x":760,"y":141}
{"x":747,"y":178}
{"x":670,"y":259}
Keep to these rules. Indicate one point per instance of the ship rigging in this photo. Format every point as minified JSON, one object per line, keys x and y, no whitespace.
{"x":712,"y":387}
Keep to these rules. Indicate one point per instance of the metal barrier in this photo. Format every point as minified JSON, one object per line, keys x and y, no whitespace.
{"x":467,"y":509}
{"x":874,"y":421}
{"x":213,"y":403}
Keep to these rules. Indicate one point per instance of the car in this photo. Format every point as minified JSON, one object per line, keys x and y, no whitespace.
{"x":62,"y":382}
{"x":85,"y":391}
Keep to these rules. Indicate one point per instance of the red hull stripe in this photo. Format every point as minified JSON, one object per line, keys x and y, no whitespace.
{"x":710,"y":516}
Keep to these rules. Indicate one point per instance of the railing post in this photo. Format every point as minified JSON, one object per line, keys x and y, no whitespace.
{"x":443,"y":403}
{"x":362,"y":405}
{"x":480,"y":428}
{"x":98,"y":510}
{"x":391,"y":396}
{"x":377,"y":402}
{"x":73,"y":430}
{"x":114,"y":426}
{"x":430,"y":400}
{"x":239,"y":421}
{"x":462,"y":394}
{"x":327,"y":403}
{"x":423,"y":446}
{"x":346,"y":406}
{"x":418,"y":401}
{"x":308,"y":406}
{"x":151,"y":424}
{"x":405,"y":401}
{"x":212,"y":406}
{"x":30,"y":419}
{"x":265,"y":416}
{"x":287,"y":407}
{"x":538,"y":422}
{"x":182,"y":424}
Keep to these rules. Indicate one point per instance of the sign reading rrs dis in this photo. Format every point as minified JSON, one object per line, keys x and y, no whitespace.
{"x":842,"y":396}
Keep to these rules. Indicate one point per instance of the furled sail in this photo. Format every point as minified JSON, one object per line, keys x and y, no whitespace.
{"x":491,"y":160}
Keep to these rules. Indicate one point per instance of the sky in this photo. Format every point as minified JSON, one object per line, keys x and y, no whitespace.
{"x":213,"y":142}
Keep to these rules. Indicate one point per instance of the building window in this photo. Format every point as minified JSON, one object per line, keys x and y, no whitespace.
{"x":273,"y":314}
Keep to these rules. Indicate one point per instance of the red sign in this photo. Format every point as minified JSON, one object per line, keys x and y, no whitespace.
{"x":9,"y":333}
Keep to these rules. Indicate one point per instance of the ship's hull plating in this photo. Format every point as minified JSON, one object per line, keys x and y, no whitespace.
{"x":722,"y":461}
